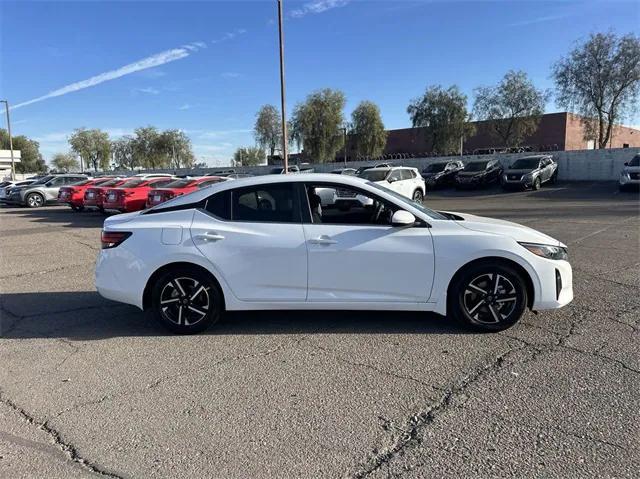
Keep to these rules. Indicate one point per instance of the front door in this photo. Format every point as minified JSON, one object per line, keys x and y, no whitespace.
{"x":357,"y":256}
{"x":254,"y":239}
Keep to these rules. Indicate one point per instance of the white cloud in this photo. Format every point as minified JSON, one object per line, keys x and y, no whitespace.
{"x":148,"y":90}
{"x":230,"y":75}
{"x":229,"y":35}
{"x":161,"y":58}
{"x":317,"y":6}
{"x":186,"y":106}
{"x":543,"y":19}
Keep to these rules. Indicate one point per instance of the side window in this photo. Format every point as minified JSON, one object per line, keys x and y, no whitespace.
{"x":268,"y":203}
{"x":159,"y":184}
{"x":395,"y":175}
{"x":330,"y":204}
{"x":219,"y":205}
{"x":58,"y":181}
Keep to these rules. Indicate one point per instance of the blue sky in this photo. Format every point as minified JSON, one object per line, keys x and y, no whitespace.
{"x":206,"y":67}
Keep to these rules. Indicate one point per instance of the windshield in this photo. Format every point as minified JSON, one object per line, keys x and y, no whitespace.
{"x":635,"y":161}
{"x":526,"y":164}
{"x":435,"y":168}
{"x":408,"y":201}
{"x":374,"y":175}
{"x":132,"y":183}
{"x":43,"y":180}
{"x":476,"y":166}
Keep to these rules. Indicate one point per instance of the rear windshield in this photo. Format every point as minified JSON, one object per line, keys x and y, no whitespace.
{"x":435,"y":168}
{"x":132,"y":183}
{"x":635,"y":161}
{"x":204,"y":184}
{"x":526,"y":164}
{"x":374,"y":175}
{"x":82,"y":182}
{"x":179,"y":184}
{"x":476,"y":166}
{"x":110,"y":183}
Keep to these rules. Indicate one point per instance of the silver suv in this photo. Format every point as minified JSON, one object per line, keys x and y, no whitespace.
{"x":530,"y":172}
{"x":43,"y":191}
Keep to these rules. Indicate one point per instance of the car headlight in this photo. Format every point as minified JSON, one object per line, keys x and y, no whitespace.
{"x":547,"y":251}
{"x":625,"y":174}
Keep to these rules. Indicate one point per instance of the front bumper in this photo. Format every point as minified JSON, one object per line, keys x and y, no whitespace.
{"x":556,"y":284}
{"x":626,"y":180}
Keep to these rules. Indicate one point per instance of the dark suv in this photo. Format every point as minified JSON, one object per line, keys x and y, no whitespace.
{"x":479,"y":173}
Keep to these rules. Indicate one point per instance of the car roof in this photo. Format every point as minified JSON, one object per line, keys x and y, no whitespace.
{"x":262,"y":180}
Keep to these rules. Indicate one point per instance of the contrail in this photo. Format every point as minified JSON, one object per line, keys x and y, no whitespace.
{"x":153,"y":61}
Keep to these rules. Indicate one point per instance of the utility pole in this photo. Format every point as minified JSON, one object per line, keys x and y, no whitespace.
{"x":13,"y":166}
{"x":344,"y":130}
{"x":285,"y":156}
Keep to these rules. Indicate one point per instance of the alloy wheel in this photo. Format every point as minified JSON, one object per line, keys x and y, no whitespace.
{"x":417,"y":196}
{"x":185,"y":301}
{"x":490,"y":298}
{"x":34,"y":201}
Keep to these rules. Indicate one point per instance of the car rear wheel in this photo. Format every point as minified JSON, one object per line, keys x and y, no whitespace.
{"x":418,"y":196}
{"x":536,"y":184}
{"x":35,"y":200}
{"x":488,"y":297}
{"x":186,"y":300}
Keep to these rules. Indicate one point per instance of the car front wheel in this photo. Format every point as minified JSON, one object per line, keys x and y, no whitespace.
{"x":536,"y":184}
{"x":35,"y":200}
{"x":488,"y":297}
{"x":186,"y":300}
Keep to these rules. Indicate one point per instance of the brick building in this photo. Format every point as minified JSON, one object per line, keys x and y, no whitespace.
{"x":556,"y":132}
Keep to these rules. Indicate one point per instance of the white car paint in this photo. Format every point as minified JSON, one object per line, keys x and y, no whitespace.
{"x":395,"y":179}
{"x":321,"y":266}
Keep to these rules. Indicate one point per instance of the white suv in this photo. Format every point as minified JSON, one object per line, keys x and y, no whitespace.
{"x":406,"y":181}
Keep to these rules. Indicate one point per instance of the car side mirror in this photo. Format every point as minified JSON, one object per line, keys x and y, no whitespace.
{"x":402,"y":218}
{"x":626,"y":163}
{"x":391,"y":180}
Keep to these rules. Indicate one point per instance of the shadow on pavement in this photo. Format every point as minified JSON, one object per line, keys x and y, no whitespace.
{"x":85,"y":316}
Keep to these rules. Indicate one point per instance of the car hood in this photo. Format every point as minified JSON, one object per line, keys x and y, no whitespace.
{"x":505,"y":228}
{"x":520,"y":172}
{"x":470,"y":174}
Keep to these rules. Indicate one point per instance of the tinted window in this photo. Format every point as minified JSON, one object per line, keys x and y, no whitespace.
{"x":110,"y":183}
{"x":218,"y":205}
{"x":635,"y":161}
{"x":476,"y":166}
{"x":132,"y":183}
{"x":273,"y":203}
{"x":406,"y":174}
{"x":435,"y":168}
{"x":204,"y":184}
{"x":374,"y":175}
{"x":330,"y":204}
{"x":525,"y":164}
{"x":179,"y":183}
{"x":160,"y":183}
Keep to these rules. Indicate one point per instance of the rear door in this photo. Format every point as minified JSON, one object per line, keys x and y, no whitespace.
{"x":253,"y":238}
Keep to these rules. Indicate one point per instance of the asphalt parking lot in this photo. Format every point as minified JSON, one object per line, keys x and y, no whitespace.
{"x":89,"y":387}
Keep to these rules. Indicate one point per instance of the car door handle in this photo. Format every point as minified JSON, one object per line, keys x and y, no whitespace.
{"x":322,"y":240}
{"x":211,"y":236}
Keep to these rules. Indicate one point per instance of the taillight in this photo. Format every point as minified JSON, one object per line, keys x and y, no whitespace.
{"x":111,"y":239}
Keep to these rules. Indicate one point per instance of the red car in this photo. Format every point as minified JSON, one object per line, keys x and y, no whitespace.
{"x":180,"y":187}
{"x":132,"y":194}
{"x":94,"y":195}
{"x":73,"y":195}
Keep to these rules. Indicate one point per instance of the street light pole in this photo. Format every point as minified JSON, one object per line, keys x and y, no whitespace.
{"x":13,"y":166}
{"x":285,"y":156}
{"x":344,"y":129}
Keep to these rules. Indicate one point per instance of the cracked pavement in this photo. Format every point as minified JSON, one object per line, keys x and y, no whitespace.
{"x":91,"y":388}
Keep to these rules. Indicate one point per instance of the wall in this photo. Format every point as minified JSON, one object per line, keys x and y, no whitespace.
{"x":584,"y":165}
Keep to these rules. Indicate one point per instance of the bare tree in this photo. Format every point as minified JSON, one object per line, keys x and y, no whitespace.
{"x":600,"y":79}
{"x":513,"y":107}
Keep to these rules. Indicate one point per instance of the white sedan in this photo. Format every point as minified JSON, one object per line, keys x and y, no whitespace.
{"x":266,"y":243}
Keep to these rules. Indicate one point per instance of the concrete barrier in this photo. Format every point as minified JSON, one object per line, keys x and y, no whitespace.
{"x":580,"y":165}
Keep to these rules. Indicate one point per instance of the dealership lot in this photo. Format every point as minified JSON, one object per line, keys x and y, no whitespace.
{"x":91,"y":387}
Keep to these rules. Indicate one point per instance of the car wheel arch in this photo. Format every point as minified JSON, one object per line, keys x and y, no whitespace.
{"x":148,"y":289}
{"x":497,"y":260}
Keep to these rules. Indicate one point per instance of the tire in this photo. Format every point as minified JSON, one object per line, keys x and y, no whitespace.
{"x":418,"y":196}
{"x":34,"y":200}
{"x":536,"y":184}
{"x":485,"y":311}
{"x":77,"y":208}
{"x":185,"y":300}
